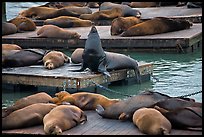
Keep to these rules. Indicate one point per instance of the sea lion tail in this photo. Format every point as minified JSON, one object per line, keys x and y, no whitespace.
{"x":100,"y":110}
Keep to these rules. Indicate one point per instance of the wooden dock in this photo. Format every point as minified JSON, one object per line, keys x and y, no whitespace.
{"x":39,"y":76}
{"x":179,"y":41}
{"x":96,"y":125}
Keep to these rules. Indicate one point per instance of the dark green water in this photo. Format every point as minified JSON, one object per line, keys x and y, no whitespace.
{"x":178,"y":74}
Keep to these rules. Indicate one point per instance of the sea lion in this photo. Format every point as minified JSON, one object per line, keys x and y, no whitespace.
{"x":62,"y":118}
{"x":55,"y":59}
{"x":126,"y":10}
{"x":40,"y":97}
{"x":121,"y":24}
{"x":92,"y":4}
{"x":25,"y":57}
{"x":52,"y":31}
{"x":124,"y":109}
{"x":94,"y":56}
{"x":28,"y":116}
{"x":157,"y":25}
{"x":23,"y":24}
{"x":11,"y":47}
{"x":150,"y":121}
{"x":8,"y":28}
{"x":141,"y":4}
{"x":67,"y":22}
{"x":194,"y":4}
{"x":114,"y":61}
{"x":7,"y":53}
{"x":84,"y":100}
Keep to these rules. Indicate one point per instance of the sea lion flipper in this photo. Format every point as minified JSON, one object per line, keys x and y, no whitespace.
{"x":100,"y":110}
{"x":102,"y":69}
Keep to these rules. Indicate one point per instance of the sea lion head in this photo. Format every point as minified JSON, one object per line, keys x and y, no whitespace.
{"x":53,"y":130}
{"x":93,"y":29}
{"x":49,"y":64}
{"x":137,"y":13}
{"x":116,"y":26}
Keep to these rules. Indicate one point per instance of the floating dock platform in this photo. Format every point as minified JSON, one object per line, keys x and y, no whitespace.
{"x":179,"y":41}
{"x":96,"y":125}
{"x":37,"y":75}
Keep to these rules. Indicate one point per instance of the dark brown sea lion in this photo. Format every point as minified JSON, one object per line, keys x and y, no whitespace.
{"x":62,"y":118}
{"x":125,"y":109}
{"x":67,"y":22}
{"x":150,"y":121}
{"x":84,"y":100}
{"x":40,"y":97}
{"x":23,"y":23}
{"x":28,"y":116}
{"x":52,"y":31}
{"x":55,"y":59}
{"x":7,"y":53}
{"x":114,"y":61}
{"x":121,"y":24}
{"x":157,"y":25}
{"x":11,"y":47}
{"x":8,"y":28}
{"x":126,"y":10}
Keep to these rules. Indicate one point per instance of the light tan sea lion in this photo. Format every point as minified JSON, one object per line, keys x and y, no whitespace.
{"x":150,"y":121}
{"x":67,"y":22}
{"x":23,"y":24}
{"x":11,"y":47}
{"x":157,"y":25}
{"x":62,"y":118}
{"x":141,"y":4}
{"x":52,"y":31}
{"x":40,"y":97}
{"x":55,"y":59}
{"x":121,"y":24}
{"x":28,"y":116}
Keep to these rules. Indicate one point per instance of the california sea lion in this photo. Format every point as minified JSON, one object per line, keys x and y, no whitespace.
{"x":157,"y":25}
{"x":124,"y":109}
{"x":40,"y":97}
{"x":28,"y":116}
{"x":8,"y":28}
{"x":92,"y":5}
{"x":114,"y":61}
{"x":67,"y":22}
{"x":141,"y":4}
{"x":84,"y":100}
{"x":121,"y":24}
{"x":93,"y":55}
{"x":62,"y":118}
{"x":126,"y":10}
{"x":11,"y":47}
{"x":25,"y":57}
{"x":150,"y":121}
{"x":55,"y":59}
{"x":52,"y":31}
{"x":23,"y":24}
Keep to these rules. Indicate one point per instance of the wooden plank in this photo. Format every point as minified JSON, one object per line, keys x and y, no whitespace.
{"x":39,"y":76}
{"x":96,"y":125}
{"x":185,"y":38}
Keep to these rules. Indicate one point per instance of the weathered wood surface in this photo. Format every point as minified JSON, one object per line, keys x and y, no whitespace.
{"x":96,"y":125}
{"x":178,"y":40}
{"x":39,"y":76}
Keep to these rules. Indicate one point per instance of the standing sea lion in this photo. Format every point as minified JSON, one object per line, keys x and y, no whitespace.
{"x":94,"y":56}
{"x":62,"y":118}
{"x":150,"y":121}
{"x":157,"y":25}
{"x":28,"y":116}
{"x":40,"y":97}
{"x":8,"y":28}
{"x":52,"y":31}
{"x":55,"y":59}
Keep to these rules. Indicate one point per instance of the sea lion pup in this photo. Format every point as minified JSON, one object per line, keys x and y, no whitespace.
{"x":150,"y":121}
{"x":84,"y":100}
{"x":11,"y":47}
{"x":67,"y":22}
{"x":8,"y":28}
{"x":52,"y":31}
{"x":55,"y":59}
{"x":124,"y":109}
{"x":62,"y":118}
{"x":28,"y":116}
{"x":157,"y":25}
{"x":40,"y":97}
{"x":23,"y":24}
{"x":126,"y":10}
{"x":121,"y":24}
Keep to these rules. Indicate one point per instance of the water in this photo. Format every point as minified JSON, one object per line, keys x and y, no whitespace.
{"x":178,"y":74}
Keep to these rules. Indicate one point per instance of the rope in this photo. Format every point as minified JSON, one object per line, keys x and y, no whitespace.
{"x":194,"y":93}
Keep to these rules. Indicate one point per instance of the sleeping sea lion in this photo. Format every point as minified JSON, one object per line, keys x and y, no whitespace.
{"x":8,"y":28}
{"x":11,"y":47}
